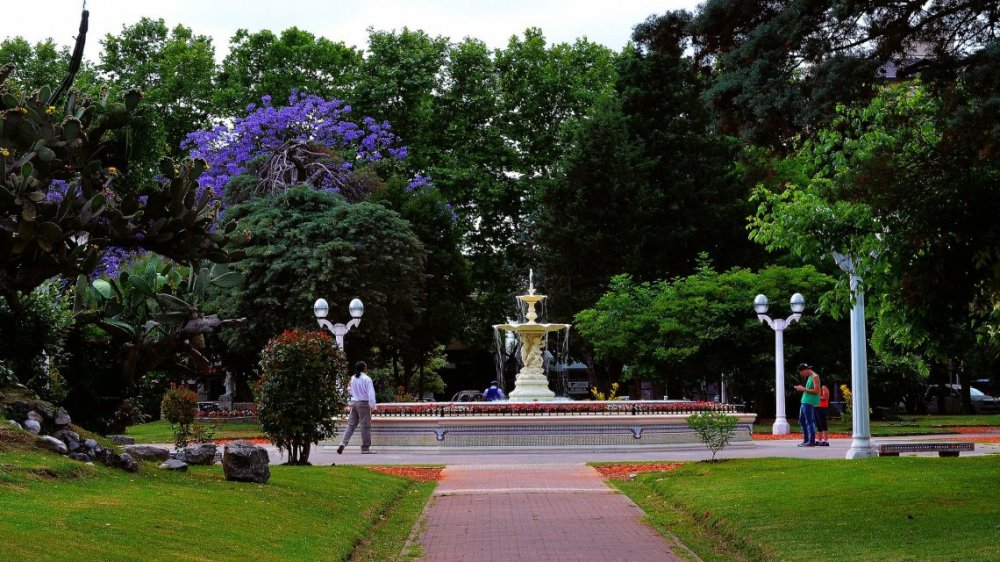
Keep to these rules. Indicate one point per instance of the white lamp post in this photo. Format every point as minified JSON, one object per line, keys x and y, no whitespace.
{"x":861,"y":441}
{"x":798,"y":304}
{"x":321,"y":309}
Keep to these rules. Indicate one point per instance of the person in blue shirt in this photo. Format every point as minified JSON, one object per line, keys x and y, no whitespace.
{"x":493,"y":393}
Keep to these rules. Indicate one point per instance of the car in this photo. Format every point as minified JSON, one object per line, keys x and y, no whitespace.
{"x":467,"y":396}
{"x":981,"y":402}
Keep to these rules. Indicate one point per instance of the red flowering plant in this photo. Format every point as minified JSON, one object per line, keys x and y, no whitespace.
{"x":549,"y":408}
{"x":298,"y":395}
{"x":179,"y":408}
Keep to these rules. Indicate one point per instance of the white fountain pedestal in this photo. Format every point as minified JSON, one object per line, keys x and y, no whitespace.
{"x":531,"y":384}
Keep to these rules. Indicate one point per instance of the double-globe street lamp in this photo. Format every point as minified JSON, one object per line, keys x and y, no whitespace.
{"x":798,"y":304}
{"x":321,"y":309}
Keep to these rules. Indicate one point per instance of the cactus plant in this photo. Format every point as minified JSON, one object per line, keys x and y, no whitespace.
{"x":63,"y":201}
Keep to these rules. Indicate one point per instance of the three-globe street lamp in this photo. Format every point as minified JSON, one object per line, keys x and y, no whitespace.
{"x":798,"y":304}
{"x":321,"y":309}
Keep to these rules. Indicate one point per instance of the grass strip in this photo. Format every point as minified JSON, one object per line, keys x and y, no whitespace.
{"x":895,"y":509}
{"x":388,"y":539}
{"x":159,"y":431}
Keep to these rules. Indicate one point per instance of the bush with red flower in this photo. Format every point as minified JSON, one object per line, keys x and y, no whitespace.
{"x":298,"y":394}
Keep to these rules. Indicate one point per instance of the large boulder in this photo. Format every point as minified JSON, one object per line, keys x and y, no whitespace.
{"x":202,"y":453}
{"x":33,"y":426}
{"x":122,"y":439}
{"x":62,"y":417}
{"x":246,"y":462}
{"x":173,"y":464}
{"x":148,"y":453}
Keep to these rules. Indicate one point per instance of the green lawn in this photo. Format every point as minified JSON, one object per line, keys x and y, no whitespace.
{"x":53,"y":508}
{"x":909,"y":425}
{"x":906,"y":508}
{"x":159,"y":431}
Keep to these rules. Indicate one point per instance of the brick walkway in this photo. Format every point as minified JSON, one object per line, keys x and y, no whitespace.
{"x":536,"y":513}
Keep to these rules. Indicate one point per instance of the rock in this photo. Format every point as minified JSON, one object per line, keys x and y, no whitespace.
{"x":33,"y":415}
{"x":90,"y":444}
{"x":62,"y":417}
{"x":15,"y":424}
{"x":174,"y":465}
{"x":122,"y":439}
{"x":82,"y":457}
{"x":245,"y":462}
{"x":34,"y":427}
{"x":67,"y":436}
{"x":147,"y":452}
{"x":127,"y":463}
{"x":55,"y":444}
{"x":202,"y":453}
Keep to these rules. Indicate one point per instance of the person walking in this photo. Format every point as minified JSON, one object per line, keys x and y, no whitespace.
{"x":822,"y":429}
{"x":493,"y":393}
{"x":362,"y":405}
{"x":810,"y":399}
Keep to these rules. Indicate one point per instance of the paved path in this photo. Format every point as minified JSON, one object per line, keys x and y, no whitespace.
{"x":534,"y":512}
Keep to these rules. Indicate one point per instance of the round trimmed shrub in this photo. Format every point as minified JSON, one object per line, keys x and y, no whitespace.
{"x":298,"y":396}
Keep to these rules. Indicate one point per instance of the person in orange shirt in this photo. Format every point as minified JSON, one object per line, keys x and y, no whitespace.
{"x":822,"y":429}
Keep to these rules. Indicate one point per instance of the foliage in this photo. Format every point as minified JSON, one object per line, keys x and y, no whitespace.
{"x":308,"y":244}
{"x":780,"y":68}
{"x":847,"y":417}
{"x":7,"y":375}
{"x":263,"y":63}
{"x":64,"y":202}
{"x":159,"y":431}
{"x":684,"y":331}
{"x":874,"y":186}
{"x":130,"y":413}
{"x":41,"y":64}
{"x":611,"y":395}
{"x":301,"y":391}
{"x":33,"y":342}
{"x":309,"y":142}
{"x":714,"y":428}
{"x":180,"y":408}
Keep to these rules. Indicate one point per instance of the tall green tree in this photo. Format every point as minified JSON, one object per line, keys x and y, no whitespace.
{"x":175,"y":70}
{"x":265,"y":64}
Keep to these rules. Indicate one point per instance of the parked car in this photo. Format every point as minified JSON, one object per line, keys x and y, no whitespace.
{"x":981,"y":402}
{"x":468,"y":396}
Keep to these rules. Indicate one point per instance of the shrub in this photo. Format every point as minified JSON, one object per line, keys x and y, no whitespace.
{"x":179,"y":408}
{"x":714,"y":428}
{"x":298,"y":394}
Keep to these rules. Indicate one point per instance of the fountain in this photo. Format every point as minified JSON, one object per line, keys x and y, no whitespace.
{"x":531,"y":384}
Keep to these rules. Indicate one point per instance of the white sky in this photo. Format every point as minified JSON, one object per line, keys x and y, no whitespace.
{"x":495,"y":21}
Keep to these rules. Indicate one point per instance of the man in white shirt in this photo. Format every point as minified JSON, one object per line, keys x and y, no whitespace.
{"x":362,"y":404}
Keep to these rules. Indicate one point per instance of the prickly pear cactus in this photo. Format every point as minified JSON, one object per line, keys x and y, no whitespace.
{"x":62,"y":201}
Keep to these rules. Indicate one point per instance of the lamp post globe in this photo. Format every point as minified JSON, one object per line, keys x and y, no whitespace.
{"x":798,"y":303}
{"x":321,"y":308}
{"x":760,"y":304}
{"x":356,"y":308}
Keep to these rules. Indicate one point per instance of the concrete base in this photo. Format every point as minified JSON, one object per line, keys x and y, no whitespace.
{"x":781,"y":427}
{"x":861,"y":448}
{"x":507,"y":432}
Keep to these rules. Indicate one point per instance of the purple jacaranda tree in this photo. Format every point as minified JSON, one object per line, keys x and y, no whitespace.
{"x":311,"y":141}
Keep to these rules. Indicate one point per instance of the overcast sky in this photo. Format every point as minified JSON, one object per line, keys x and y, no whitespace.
{"x":493,"y":21}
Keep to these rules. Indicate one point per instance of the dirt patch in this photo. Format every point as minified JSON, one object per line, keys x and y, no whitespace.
{"x":627,"y":471}
{"x":418,"y":473}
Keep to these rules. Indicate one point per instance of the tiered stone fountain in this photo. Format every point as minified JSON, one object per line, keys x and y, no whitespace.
{"x":531,"y":384}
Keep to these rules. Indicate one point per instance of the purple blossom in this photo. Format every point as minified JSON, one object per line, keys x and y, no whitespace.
{"x":229,"y":148}
{"x":57,"y":191}
{"x":417,"y":182}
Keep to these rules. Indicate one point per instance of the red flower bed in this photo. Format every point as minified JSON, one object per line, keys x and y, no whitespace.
{"x":789,"y":436}
{"x":546,"y":408}
{"x":989,"y":439}
{"x":418,"y":473}
{"x":226,"y":414}
{"x":627,"y":471}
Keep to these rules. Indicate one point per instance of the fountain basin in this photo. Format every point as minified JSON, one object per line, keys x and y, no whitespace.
{"x":444,"y":426}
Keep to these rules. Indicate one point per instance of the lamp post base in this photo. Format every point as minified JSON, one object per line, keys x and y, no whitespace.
{"x":780,"y":427}
{"x":861,"y":448}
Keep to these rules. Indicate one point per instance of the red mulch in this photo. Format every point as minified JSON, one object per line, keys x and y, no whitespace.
{"x":252,"y":440}
{"x":626,"y":471}
{"x":769,"y":437}
{"x":990,"y":439}
{"x":974,"y":428}
{"x":418,"y":473}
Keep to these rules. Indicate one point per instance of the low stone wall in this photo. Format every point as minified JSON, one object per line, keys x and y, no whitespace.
{"x":614,"y":430}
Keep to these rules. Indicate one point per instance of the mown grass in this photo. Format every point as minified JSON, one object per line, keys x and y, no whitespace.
{"x":897,"y":509}
{"x":54,"y":508}
{"x":159,"y":431}
{"x":388,"y":541}
{"x":907,"y":425}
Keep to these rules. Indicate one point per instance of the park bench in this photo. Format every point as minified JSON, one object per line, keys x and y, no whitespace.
{"x":942,"y":449}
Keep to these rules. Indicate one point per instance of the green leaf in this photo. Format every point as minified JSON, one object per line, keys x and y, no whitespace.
{"x":171,"y":302}
{"x":71,"y":129}
{"x":117,"y":327}
{"x":45,"y":154}
{"x":103,"y":288}
{"x":27,"y":170}
{"x":50,"y":231}
{"x":228,"y":280}
{"x":141,"y":285}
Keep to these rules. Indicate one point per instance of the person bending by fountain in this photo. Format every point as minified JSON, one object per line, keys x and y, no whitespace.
{"x":810,"y":400}
{"x":362,"y":404}
{"x":493,"y":393}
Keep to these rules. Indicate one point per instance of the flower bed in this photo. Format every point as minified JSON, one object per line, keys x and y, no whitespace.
{"x":790,"y":436}
{"x":448,"y":409}
{"x":628,"y":471}
{"x":418,"y":473}
{"x":253,"y":440}
{"x":227,"y":414}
